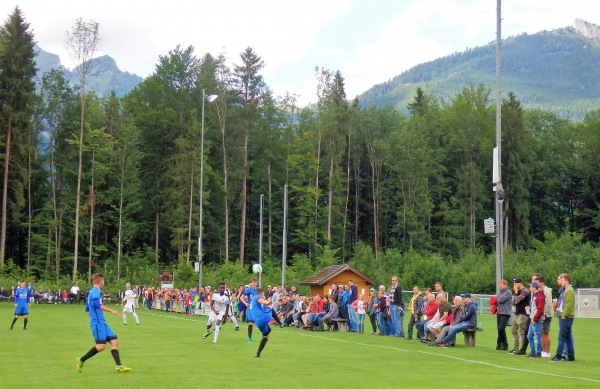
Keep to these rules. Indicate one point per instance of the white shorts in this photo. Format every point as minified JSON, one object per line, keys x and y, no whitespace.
{"x":213,"y":317}
{"x":128,"y":308}
{"x":436,"y":326}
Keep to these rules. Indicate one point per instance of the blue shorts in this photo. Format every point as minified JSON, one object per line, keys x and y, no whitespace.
{"x":249,"y":316}
{"x":21,"y":311}
{"x":263,"y":326}
{"x":102,"y":333}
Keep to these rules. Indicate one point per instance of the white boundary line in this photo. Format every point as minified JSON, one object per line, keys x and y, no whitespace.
{"x":455,"y":358}
{"x":304,"y":333}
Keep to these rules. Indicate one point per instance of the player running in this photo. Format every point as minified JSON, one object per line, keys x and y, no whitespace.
{"x":261,"y":313}
{"x":128,"y":302}
{"x":101,"y":331}
{"x":230,"y":311}
{"x":219,"y":306}
{"x":21,"y":305}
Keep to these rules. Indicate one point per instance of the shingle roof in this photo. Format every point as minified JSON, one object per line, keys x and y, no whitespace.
{"x":324,"y":275}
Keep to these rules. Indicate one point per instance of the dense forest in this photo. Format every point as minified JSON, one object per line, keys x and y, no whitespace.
{"x":112,"y":184}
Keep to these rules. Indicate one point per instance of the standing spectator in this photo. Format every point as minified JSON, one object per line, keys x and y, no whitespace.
{"x":519,"y":325}
{"x":74,"y":292}
{"x":416,"y":310}
{"x":343,"y":296}
{"x":372,"y":310}
{"x":360,"y":307}
{"x":30,"y":293}
{"x":396,"y":308}
{"x":566,"y":308}
{"x":548,"y":314}
{"x":118,"y":297}
{"x":504,"y":304}
{"x":352,"y":297}
{"x":276,"y":298}
{"x":383,"y":313}
{"x":536,"y":314}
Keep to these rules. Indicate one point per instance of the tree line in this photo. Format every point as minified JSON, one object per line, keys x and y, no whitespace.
{"x":112,"y":184}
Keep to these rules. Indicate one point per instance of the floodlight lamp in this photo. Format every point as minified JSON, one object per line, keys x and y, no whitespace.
{"x":211,"y":98}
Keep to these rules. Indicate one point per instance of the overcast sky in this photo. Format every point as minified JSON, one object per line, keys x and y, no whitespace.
{"x":369,"y":41}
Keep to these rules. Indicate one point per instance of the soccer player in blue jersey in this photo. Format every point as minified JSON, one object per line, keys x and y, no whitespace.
{"x":246,"y":298}
{"x":21,"y":305}
{"x":100,"y":329}
{"x":261,"y":313}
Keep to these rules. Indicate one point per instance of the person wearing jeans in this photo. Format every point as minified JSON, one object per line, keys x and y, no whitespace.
{"x":536,"y":314}
{"x":566,"y":307}
{"x":396,"y":308}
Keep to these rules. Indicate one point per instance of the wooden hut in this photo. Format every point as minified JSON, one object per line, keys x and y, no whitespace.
{"x":321,"y":282}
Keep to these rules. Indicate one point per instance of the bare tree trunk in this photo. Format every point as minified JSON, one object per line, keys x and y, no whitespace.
{"x":345,"y":222}
{"x":157,"y":229}
{"x":222,"y":120}
{"x":191,"y":205}
{"x":270,"y":208}
{"x":29,"y":208}
{"x":5,"y":191}
{"x":244,"y":196}
{"x":91,"y":204}
{"x":121,"y":196}
{"x":330,"y":197}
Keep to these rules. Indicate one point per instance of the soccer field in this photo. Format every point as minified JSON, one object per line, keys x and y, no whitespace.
{"x":167,"y":351}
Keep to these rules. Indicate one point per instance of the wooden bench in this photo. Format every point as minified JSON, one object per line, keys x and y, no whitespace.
{"x":470,"y":337}
{"x":342,"y":324}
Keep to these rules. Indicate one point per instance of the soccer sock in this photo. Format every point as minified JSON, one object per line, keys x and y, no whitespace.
{"x":250,"y":331}
{"x":89,"y":354}
{"x":275,"y":317}
{"x":234,"y":320}
{"x":124,"y":318}
{"x":263,"y":342}
{"x":137,"y":319}
{"x":217,"y":329}
{"x":13,"y":323}
{"x":25,"y":323}
{"x":115,"y":354}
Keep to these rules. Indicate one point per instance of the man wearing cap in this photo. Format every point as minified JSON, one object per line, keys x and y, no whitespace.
{"x":465,"y":318}
{"x":536,"y":314}
{"x":504,"y":304}
{"x":520,"y":301}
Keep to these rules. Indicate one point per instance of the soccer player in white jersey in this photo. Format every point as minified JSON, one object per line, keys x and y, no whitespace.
{"x":219,"y":307}
{"x":128,"y":304}
{"x":230,"y":310}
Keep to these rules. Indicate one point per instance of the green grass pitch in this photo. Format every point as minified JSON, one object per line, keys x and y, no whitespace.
{"x":167,"y":351}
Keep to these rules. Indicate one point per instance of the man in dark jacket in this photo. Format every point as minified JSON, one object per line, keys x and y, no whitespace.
{"x":467,"y":320}
{"x":504,"y":304}
{"x":519,"y":324}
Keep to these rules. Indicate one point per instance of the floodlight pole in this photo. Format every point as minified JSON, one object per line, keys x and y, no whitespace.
{"x":260,"y":240}
{"x":498,"y":154}
{"x":284,"y":248}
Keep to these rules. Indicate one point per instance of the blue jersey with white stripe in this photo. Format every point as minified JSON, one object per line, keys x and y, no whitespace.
{"x":21,"y":297}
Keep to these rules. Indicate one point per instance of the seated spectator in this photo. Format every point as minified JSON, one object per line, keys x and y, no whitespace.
{"x":58,"y":296}
{"x":65,"y":296}
{"x":49,"y":297}
{"x":2,"y":294}
{"x":429,"y":311}
{"x":285,"y":307}
{"x":440,"y":319}
{"x":302,"y":311}
{"x":318,"y":321}
{"x":83,"y":296}
{"x":289,"y":317}
{"x":106,"y":297}
{"x":332,"y":313}
{"x":465,"y":318}
{"x":315,"y":307}
{"x":40,"y":296}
